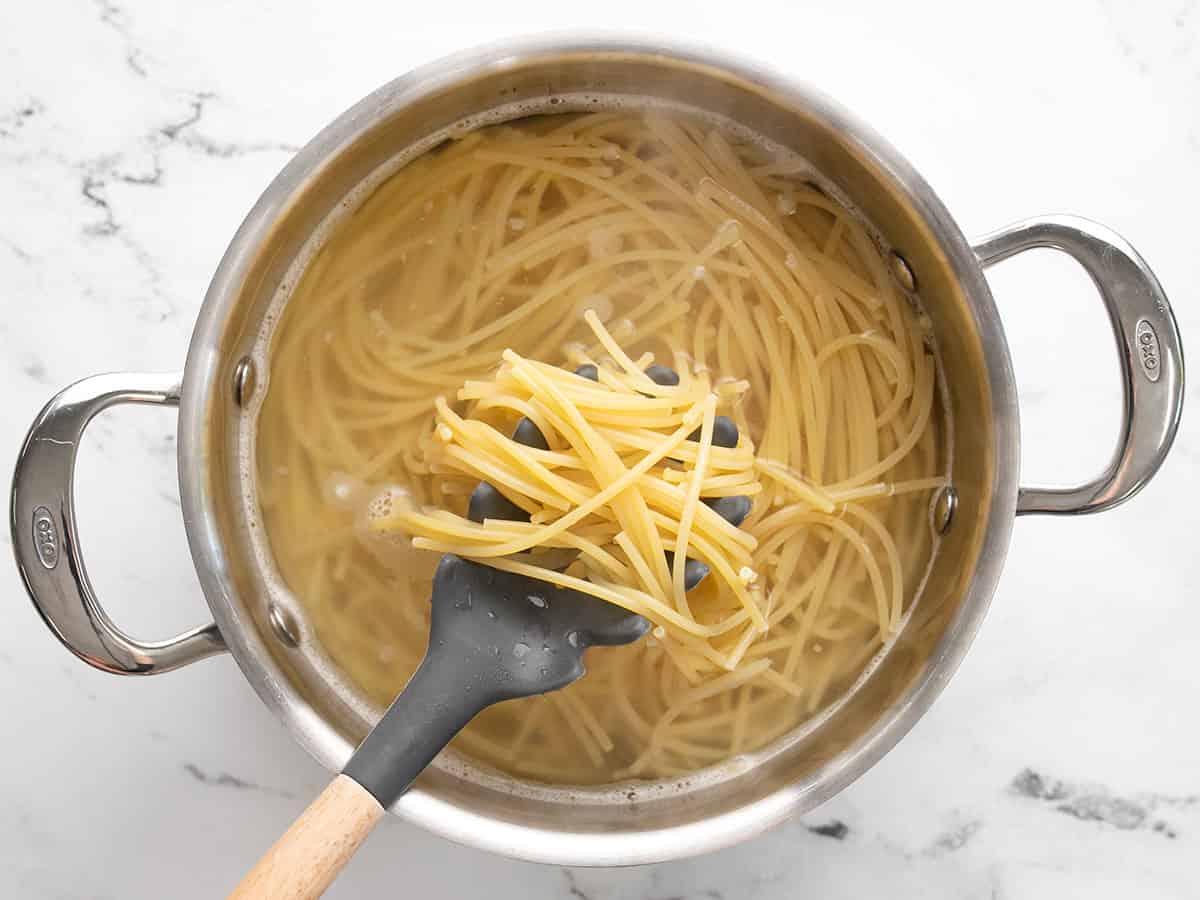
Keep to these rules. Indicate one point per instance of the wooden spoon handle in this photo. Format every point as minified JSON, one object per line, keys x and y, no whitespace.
{"x":304,"y":861}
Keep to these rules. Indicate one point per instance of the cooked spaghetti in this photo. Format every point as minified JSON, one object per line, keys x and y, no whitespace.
{"x":457,"y":298}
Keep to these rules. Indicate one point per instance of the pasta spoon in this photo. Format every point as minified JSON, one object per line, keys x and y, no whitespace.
{"x":493,"y":636}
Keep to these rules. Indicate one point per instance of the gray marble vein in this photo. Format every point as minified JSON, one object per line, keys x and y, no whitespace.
{"x":116,"y":18}
{"x":835,"y":829}
{"x":225,"y":780}
{"x":1095,"y":803}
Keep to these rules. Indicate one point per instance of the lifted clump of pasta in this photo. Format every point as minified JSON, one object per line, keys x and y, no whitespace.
{"x":621,"y":485}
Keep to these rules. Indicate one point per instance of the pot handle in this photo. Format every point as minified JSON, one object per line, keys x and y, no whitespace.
{"x":1148,"y":346}
{"x":45,"y":533}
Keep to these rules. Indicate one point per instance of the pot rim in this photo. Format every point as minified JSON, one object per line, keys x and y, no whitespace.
{"x":420,"y":806}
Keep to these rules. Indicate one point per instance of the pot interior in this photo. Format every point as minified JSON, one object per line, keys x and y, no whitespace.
{"x":646,"y":821}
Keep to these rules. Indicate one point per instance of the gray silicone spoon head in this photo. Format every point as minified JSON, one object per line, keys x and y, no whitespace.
{"x":493,"y":636}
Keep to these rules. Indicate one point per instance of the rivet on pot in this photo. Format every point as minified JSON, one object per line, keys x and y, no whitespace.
{"x":903,"y":272}
{"x":244,"y":380}
{"x":944,"y":505}
{"x":283,"y":623}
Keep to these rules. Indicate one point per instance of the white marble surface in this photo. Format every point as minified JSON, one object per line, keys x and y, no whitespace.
{"x":135,"y":135}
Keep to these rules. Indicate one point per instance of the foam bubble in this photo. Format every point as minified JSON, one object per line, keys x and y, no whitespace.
{"x":342,"y":490}
{"x":391,"y":547}
{"x":385,"y":500}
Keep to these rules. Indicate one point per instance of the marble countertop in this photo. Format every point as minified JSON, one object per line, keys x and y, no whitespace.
{"x":1063,"y":758}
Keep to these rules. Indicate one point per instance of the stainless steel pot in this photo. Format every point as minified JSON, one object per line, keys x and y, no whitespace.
{"x":585,"y":827}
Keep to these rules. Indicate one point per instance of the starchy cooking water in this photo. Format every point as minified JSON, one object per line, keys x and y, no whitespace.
{"x":361,"y":594}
